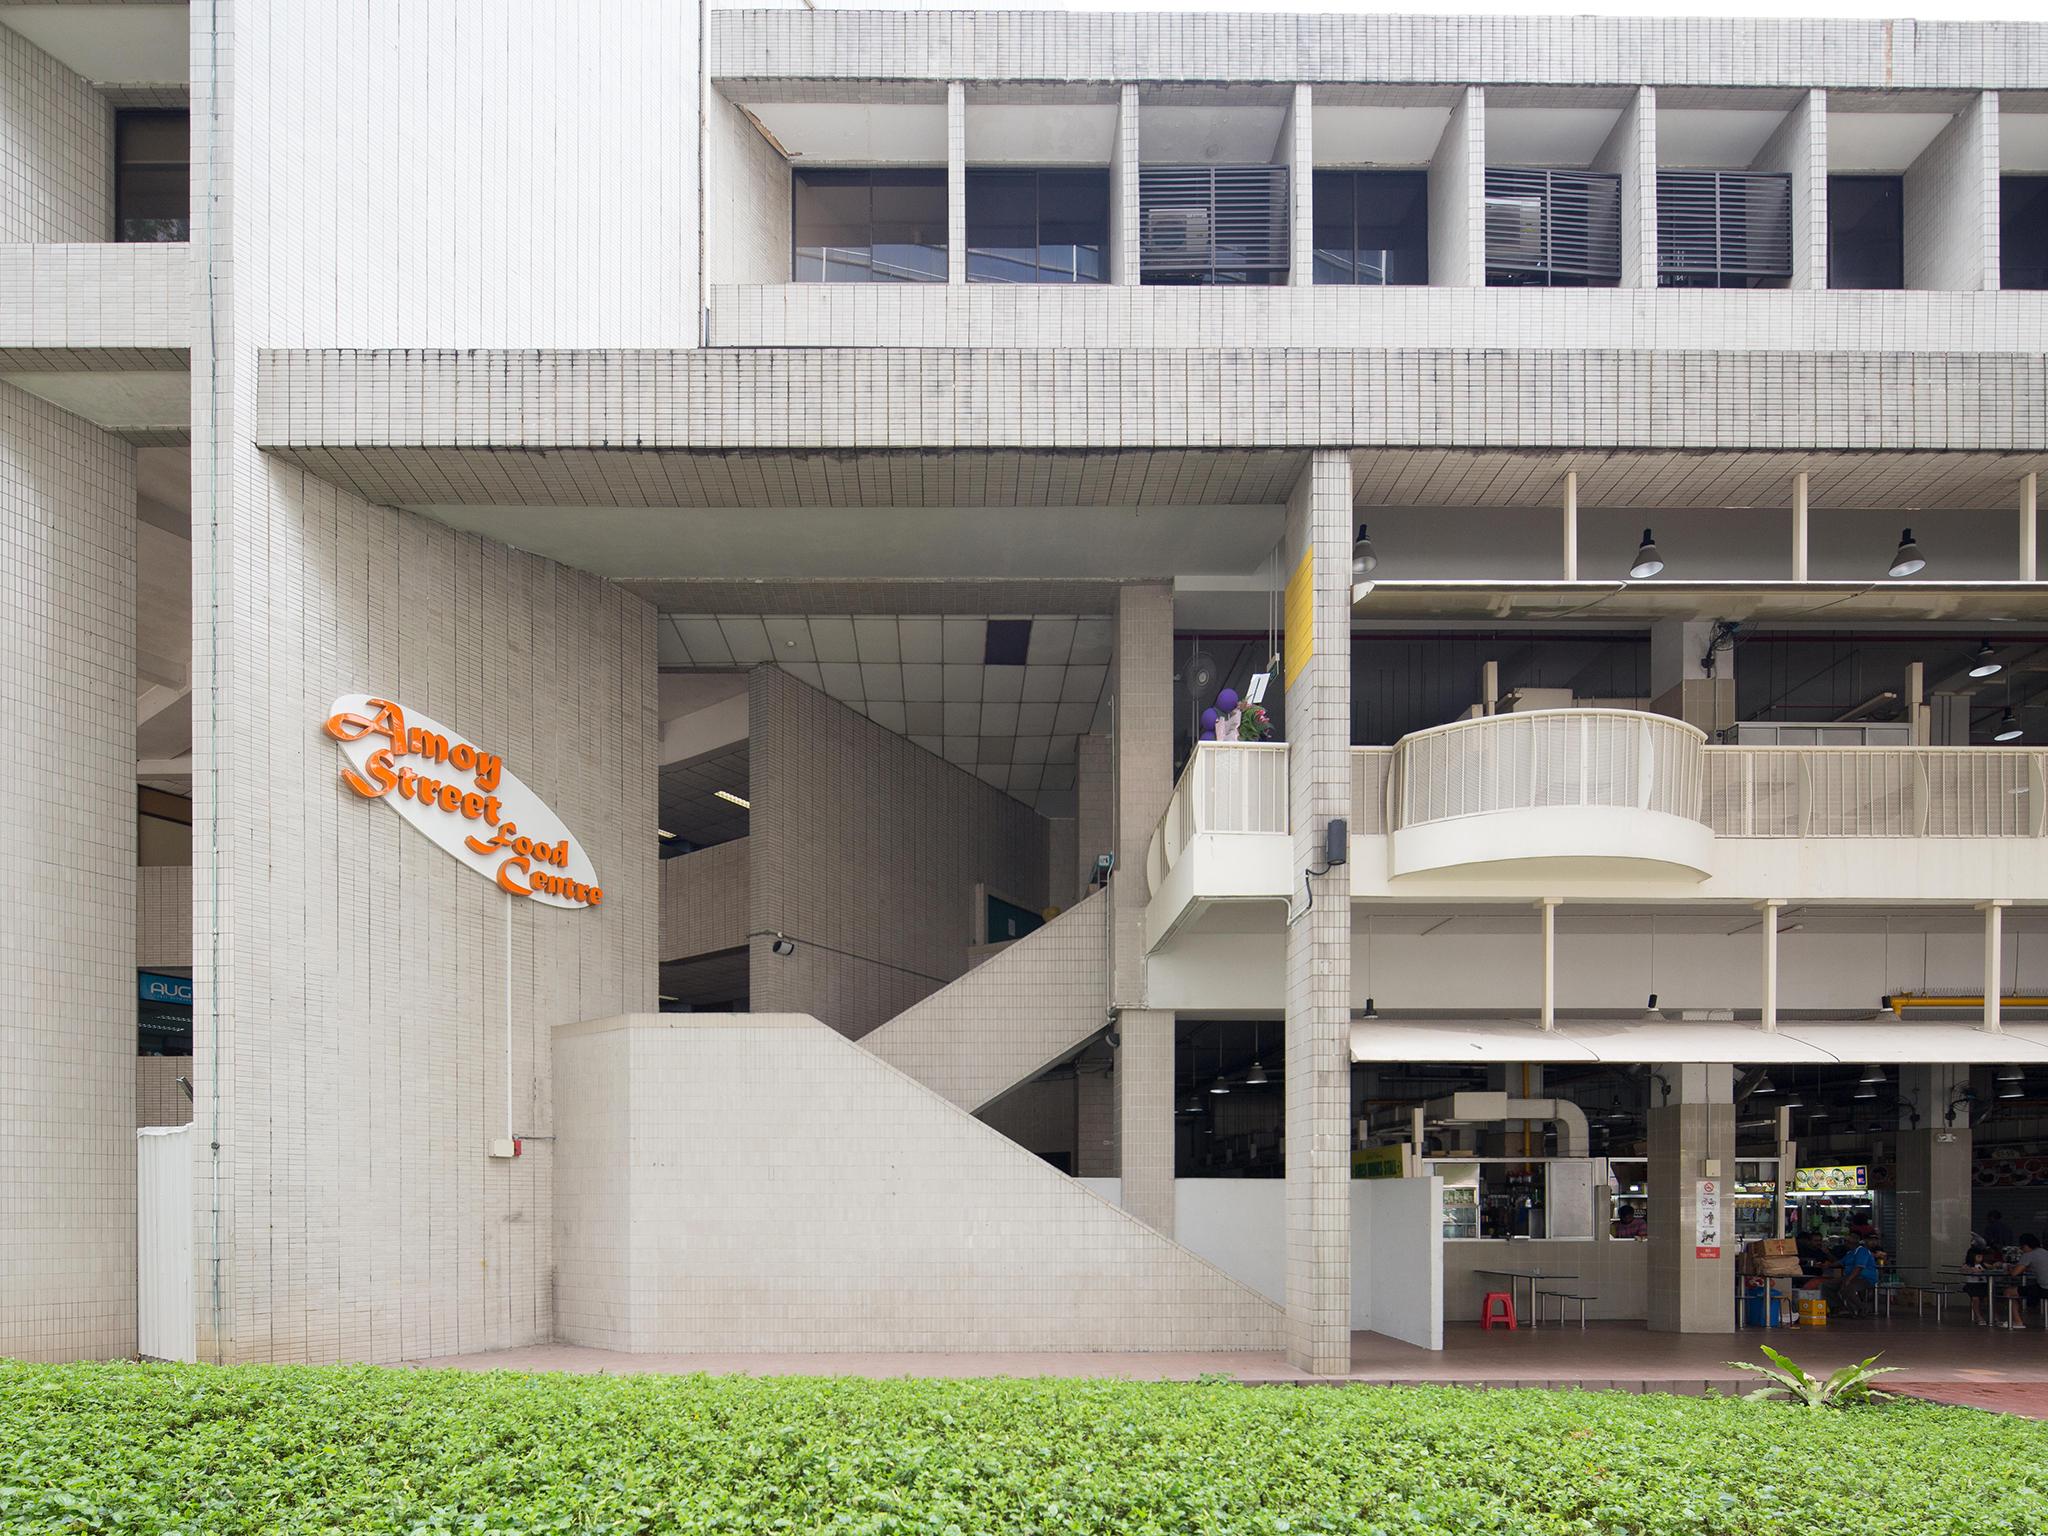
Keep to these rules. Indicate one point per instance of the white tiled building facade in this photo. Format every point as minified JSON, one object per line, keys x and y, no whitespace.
{"x":486,"y":361}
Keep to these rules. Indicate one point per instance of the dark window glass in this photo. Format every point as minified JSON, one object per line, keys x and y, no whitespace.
{"x":1027,"y":226}
{"x":1866,"y":232}
{"x":2023,"y":232}
{"x":1372,"y":227}
{"x":1336,"y":227}
{"x":152,"y":176}
{"x":869,"y":226}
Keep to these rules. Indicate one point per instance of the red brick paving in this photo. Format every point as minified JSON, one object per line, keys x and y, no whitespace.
{"x":2027,"y":1399}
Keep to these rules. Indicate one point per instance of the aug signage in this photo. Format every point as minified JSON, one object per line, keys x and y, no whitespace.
{"x":155,"y":987}
{"x":467,"y":802}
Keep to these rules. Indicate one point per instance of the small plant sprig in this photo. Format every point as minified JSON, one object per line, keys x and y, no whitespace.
{"x":1851,"y":1384}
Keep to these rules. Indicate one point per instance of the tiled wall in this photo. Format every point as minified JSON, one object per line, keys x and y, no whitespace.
{"x":1457,"y":200}
{"x":163,"y":915}
{"x":827,"y":1202}
{"x":98,"y":296}
{"x":704,"y":900}
{"x":67,"y":943}
{"x":56,"y":150}
{"x":866,"y":850}
{"x":1631,"y":153}
{"x":1615,"y":1274}
{"x":158,"y":1098}
{"x":1799,"y":148}
{"x":1951,"y":203}
{"x":1039,"y":1117}
{"x":747,"y":218}
{"x":1009,"y":1017}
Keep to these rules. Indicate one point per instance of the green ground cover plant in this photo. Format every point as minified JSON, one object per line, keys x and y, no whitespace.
{"x":204,"y":1452}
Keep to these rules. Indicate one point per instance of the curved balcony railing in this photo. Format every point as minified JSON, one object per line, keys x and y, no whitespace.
{"x":1226,"y":787}
{"x":1576,"y":784}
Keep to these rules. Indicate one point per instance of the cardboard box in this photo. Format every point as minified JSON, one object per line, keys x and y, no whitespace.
{"x":1778,"y":1247}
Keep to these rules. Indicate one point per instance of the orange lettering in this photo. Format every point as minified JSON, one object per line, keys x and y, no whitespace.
{"x":380,"y":770}
{"x":388,"y":721}
{"x":473,"y":806}
{"x":505,"y":876}
{"x":450,"y":796}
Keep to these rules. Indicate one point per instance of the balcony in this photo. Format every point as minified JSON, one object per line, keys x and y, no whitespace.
{"x":1579,"y":790}
{"x":1615,"y":805}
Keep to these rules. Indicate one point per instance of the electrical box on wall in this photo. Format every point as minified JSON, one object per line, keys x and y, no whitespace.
{"x":506,"y":1146}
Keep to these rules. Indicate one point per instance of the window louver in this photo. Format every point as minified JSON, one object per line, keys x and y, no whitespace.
{"x":1212,"y":223}
{"x":1723,"y":229}
{"x":1560,"y":228}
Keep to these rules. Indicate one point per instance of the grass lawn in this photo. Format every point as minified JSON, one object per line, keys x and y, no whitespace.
{"x":132,"y":1449}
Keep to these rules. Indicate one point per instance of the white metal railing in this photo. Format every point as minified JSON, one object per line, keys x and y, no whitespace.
{"x":1226,"y":787}
{"x":1876,"y":791}
{"x":1372,"y":773}
{"x":1545,"y":759}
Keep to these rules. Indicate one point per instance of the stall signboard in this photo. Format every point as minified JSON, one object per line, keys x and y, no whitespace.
{"x":1843,"y":1179}
{"x":466,"y":801}
{"x":155,"y":987}
{"x":1380,"y":1162}
{"x":1707,"y":1219}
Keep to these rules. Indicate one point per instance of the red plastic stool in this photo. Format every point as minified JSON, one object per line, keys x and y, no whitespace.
{"x":1489,"y":1314}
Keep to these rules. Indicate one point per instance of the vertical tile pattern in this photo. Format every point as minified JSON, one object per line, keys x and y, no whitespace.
{"x":163,"y":915}
{"x":830,"y":1203}
{"x":1144,"y":1088}
{"x":747,"y":214}
{"x":1318,"y":1075}
{"x":1142,"y":767}
{"x":1123,"y":191}
{"x":1631,"y":153}
{"x":1299,"y":153}
{"x":67,"y":943}
{"x":1951,"y":203}
{"x":1689,"y":1294}
{"x":704,"y":900}
{"x":1092,"y":812}
{"x":1457,"y":197}
{"x":158,"y":1098}
{"x":56,"y":150}
{"x":1095,"y":1147}
{"x":1799,"y":148}
{"x":866,"y":850}
{"x":956,"y":182}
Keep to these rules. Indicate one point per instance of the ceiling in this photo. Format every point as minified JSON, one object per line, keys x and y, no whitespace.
{"x":1004,"y":697}
{"x":1879,"y":141}
{"x":1713,"y":139}
{"x":690,"y":806}
{"x":111,"y":44}
{"x":1377,"y":135}
{"x":1568,"y":136}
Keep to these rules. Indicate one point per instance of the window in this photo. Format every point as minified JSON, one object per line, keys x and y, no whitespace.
{"x":1212,"y":224}
{"x":1552,"y":229}
{"x":1037,"y":226}
{"x":870,"y":226}
{"x":1372,"y":227}
{"x":152,"y":176}
{"x":1866,"y":232}
{"x":1723,"y":229}
{"x":2023,"y":232}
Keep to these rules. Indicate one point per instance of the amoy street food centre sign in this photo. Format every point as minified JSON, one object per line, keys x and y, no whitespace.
{"x":463,"y":798}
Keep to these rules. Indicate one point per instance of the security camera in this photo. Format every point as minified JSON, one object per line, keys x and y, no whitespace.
{"x":783,"y":946}
{"x":1114,"y":1040}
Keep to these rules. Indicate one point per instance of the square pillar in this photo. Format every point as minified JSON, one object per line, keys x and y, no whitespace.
{"x":1932,"y":1170}
{"x":1631,"y":152}
{"x":956,"y":182}
{"x":1457,"y":197}
{"x":1123,"y":191}
{"x":1951,"y":204}
{"x":1095,"y":1149}
{"x":1317,"y":674}
{"x":1141,"y":776}
{"x":1800,"y":149}
{"x":1297,"y":153}
{"x":1692,"y":1139}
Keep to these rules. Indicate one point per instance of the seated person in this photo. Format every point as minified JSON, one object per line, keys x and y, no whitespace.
{"x":1862,"y":1228}
{"x":1850,"y":1292}
{"x":1628,"y":1223}
{"x":1813,"y":1254}
{"x":1977,"y":1279}
{"x":2031,"y":1270}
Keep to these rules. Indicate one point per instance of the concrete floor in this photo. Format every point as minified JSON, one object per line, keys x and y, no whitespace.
{"x":1619,"y":1355}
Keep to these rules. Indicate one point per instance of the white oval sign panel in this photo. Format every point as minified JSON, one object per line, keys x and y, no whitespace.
{"x":464,"y":798}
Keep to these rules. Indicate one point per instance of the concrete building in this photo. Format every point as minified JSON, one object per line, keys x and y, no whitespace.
{"x":778,"y":495}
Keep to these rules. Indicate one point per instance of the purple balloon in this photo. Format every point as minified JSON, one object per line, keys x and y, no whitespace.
{"x":1227,"y":700}
{"x":1208,"y":733}
{"x":1209,"y":718}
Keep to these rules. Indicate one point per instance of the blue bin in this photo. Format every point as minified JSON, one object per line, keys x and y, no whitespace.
{"x":1763,"y":1308}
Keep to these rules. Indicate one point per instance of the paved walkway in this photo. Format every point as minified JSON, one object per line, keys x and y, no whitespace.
{"x":1624,"y":1356}
{"x":2028,"y":1399}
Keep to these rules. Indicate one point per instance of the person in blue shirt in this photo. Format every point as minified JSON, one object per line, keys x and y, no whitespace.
{"x":1850,"y":1293}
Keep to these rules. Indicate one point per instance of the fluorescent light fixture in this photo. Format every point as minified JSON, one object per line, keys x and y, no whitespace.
{"x":667,"y":999}
{"x":1984,"y":662}
{"x":1907,"y":559}
{"x":732,"y":799}
{"x":2011,"y":1074}
{"x":1872,"y":1074}
{"x":1647,"y":562}
{"x":2012,"y":1091}
{"x":666,"y":835}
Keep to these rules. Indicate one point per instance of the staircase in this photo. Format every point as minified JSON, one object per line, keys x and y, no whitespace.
{"x":1010,"y":1017}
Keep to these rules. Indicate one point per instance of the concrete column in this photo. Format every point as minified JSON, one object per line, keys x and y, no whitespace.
{"x":1123,"y":191}
{"x":2030,"y":484}
{"x":1297,"y":152}
{"x":956,"y":182}
{"x":67,"y":965}
{"x":1569,"y":527}
{"x":1631,"y":150}
{"x":1679,"y":685}
{"x":1800,"y":148}
{"x":1692,"y":1137}
{"x":1801,"y":490}
{"x":1457,"y":197}
{"x":1951,"y":203}
{"x":1317,"y":677}
{"x":1932,"y":1177}
{"x":1092,"y":811}
{"x":1142,"y":776}
{"x":1095,"y":1114}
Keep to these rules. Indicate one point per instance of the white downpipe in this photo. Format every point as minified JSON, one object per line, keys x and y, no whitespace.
{"x":508,"y":1015}
{"x":1799,"y":521}
{"x":1548,"y":1020}
{"x":1994,"y":947}
{"x":2029,"y":494}
{"x":1571,"y":525}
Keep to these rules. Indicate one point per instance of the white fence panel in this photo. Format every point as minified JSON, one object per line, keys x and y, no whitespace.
{"x":163,"y":1249}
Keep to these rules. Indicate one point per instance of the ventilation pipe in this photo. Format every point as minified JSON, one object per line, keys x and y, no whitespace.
{"x":1498,"y":1109}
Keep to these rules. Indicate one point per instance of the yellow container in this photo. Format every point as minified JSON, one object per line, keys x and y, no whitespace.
{"x":1813,"y":1311}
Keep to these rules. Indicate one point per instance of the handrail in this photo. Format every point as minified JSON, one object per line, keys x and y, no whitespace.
{"x":1826,"y":792}
{"x":1227,"y":787}
{"x":1547,"y":759}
